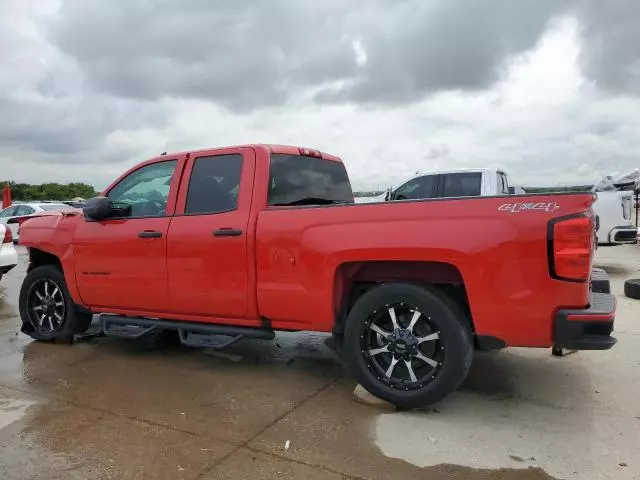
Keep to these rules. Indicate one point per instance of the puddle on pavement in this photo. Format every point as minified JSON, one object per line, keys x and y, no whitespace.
{"x":12,"y":410}
{"x":436,"y":446}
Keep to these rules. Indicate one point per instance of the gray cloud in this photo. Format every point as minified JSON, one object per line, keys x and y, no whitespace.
{"x":245,"y":55}
{"x":611,"y":36}
{"x":48,"y":113}
{"x":417,"y":47}
{"x":237,"y":54}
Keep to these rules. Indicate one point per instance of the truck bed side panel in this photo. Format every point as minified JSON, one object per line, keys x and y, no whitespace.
{"x":501,"y":256}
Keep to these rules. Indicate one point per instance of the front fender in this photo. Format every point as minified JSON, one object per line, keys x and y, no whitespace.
{"x":53,"y":235}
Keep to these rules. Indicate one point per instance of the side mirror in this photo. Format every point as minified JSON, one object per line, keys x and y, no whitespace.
{"x":98,"y":208}
{"x":389,"y":195}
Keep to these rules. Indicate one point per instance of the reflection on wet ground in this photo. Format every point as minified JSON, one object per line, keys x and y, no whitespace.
{"x":108,"y":408}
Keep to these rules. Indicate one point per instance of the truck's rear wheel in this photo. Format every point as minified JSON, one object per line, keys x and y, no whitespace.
{"x":408,"y":345}
{"x":46,"y":308}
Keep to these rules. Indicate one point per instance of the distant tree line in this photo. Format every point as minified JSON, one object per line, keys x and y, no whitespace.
{"x":49,"y":191}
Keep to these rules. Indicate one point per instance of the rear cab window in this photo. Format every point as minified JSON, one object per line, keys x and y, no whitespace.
{"x":302,"y":180}
{"x":462,"y":184}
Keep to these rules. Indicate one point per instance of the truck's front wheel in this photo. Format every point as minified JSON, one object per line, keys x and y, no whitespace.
{"x":408,"y":345}
{"x":46,"y":308}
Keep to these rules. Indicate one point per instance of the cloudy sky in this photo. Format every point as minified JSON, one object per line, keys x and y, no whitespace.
{"x":547,"y":89}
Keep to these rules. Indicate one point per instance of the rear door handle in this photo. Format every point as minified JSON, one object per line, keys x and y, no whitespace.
{"x":227,"y":232}
{"x":150,"y":234}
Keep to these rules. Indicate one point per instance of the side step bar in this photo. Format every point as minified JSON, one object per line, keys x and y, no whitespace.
{"x":191,"y":333}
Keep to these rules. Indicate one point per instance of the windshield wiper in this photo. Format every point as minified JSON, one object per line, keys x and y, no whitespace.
{"x":310,"y":201}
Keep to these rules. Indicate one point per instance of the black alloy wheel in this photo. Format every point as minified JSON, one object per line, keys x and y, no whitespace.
{"x":402,"y":346}
{"x":47,"y":306}
{"x":408,"y":344}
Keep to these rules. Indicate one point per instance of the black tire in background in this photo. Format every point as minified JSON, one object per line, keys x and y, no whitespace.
{"x":455,"y":345}
{"x":73,"y":321}
{"x":632,"y":288}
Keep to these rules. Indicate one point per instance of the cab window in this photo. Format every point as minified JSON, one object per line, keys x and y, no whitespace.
{"x":464,"y":184}
{"x":301,"y":180}
{"x":503,"y":186}
{"x":214,"y":184}
{"x":421,"y":187}
{"x":145,"y":192}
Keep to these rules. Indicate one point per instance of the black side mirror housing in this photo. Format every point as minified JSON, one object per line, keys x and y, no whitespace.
{"x":98,"y":208}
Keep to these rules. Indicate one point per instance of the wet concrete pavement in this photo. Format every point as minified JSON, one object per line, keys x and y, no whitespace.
{"x":106,"y":408}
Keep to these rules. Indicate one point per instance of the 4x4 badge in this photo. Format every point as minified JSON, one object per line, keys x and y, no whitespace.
{"x":524,"y":207}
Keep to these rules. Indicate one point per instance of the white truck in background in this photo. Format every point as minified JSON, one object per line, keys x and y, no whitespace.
{"x":468,"y":182}
{"x":614,"y":208}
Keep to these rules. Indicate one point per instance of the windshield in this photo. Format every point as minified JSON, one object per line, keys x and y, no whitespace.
{"x":300,"y":180}
{"x":55,"y":207}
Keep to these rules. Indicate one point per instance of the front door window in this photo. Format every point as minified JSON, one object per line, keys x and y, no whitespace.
{"x":144,"y":192}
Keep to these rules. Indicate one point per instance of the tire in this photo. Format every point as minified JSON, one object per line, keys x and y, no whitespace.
{"x":64,"y":319}
{"x":632,"y":288}
{"x":417,"y":383}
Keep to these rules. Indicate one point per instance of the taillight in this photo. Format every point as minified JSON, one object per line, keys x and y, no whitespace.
{"x":571,"y":247}
{"x":8,"y":237}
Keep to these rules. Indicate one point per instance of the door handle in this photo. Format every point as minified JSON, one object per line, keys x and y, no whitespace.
{"x":227,"y":232}
{"x":150,"y":234}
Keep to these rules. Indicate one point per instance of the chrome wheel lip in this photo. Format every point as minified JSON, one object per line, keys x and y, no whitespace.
{"x":46,"y":306}
{"x":419,"y":355}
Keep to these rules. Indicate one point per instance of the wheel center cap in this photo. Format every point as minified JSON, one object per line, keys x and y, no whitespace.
{"x":403,"y":343}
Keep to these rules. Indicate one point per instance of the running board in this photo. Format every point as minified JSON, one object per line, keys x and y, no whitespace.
{"x":193,"y":334}
{"x":125,"y":331}
{"x":200,"y":340}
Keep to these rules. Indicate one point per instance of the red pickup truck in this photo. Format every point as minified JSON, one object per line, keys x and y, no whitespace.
{"x":238,"y":242}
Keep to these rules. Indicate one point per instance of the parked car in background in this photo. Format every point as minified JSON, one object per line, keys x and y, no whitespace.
{"x":8,"y":254}
{"x":239,"y":242}
{"x":25,"y":210}
{"x":75,"y":203}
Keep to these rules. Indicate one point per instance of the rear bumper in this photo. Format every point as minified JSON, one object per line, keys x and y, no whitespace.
{"x":623,"y":235}
{"x":588,"y":329}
